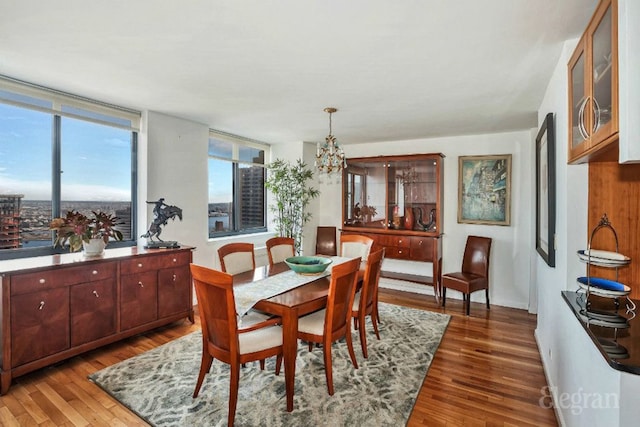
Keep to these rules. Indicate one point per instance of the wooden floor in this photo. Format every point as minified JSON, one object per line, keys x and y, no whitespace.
{"x":486,"y":372}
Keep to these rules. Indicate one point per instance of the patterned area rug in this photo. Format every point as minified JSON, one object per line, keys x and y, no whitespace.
{"x":158,"y":384}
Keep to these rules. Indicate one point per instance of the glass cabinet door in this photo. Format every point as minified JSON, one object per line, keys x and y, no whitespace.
{"x":578,"y":102}
{"x":602,"y":73}
{"x":415,"y":185}
{"x":365,"y":194}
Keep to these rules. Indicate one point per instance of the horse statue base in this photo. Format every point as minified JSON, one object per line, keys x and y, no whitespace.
{"x":167,"y":244}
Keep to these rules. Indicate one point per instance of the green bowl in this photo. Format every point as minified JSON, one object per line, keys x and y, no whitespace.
{"x":308,"y":264}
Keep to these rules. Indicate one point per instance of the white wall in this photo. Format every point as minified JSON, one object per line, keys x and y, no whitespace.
{"x":511,"y":247}
{"x":575,"y":370}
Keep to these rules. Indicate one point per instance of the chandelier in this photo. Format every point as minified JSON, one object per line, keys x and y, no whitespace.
{"x":329,"y":156}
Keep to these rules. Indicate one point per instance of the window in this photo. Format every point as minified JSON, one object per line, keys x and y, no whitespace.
{"x":237,"y":173}
{"x":60,"y":152}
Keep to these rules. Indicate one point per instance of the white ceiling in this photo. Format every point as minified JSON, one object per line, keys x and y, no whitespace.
{"x":266,"y":69}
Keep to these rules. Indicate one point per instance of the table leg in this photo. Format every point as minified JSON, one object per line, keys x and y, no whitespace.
{"x":290,"y":351}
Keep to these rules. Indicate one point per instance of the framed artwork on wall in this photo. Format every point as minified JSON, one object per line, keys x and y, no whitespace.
{"x":484,"y":189}
{"x":546,"y":191}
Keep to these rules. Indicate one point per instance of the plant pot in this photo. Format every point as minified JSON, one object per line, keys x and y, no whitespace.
{"x":95,"y":247}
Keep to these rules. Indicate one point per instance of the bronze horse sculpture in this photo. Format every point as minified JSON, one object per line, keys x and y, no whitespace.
{"x":163,"y":213}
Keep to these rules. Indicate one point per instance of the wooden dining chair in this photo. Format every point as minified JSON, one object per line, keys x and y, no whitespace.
{"x":355,"y":245}
{"x":237,"y":258}
{"x":221,"y":338}
{"x":279,"y":249}
{"x":366,"y":299}
{"x":474,"y":274}
{"x":333,"y":322}
{"x":326,"y":243}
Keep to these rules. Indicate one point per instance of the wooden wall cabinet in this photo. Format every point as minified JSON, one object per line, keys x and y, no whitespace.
{"x":593,"y":86}
{"x":397,"y":201}
{"x":56,"y":307}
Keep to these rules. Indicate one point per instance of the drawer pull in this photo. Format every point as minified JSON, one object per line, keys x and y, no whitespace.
{"x":96,"y":294}
{"x":140,"y":284}
{"x":174,"y":277}
{"x":175,"y":260}
{"x":420,"y":243}
{"x":400,"y":251}
{"x":139,"y":265}
{"x":399,"y":240}
{"x":94,"y":272}
{"x":42,"y":281}
{"x":41,"y":306}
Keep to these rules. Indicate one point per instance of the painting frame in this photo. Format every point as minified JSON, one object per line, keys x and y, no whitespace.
{"x":484,"y":189}
{"x":546,"y":191}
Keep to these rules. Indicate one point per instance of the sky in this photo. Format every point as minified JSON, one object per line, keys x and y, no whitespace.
{"x":96,"y":159}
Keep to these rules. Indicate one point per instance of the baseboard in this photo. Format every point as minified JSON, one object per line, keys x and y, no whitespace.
{"x":550,"y":385}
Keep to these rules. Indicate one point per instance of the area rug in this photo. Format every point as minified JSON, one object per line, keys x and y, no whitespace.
{"x":158,"y":385}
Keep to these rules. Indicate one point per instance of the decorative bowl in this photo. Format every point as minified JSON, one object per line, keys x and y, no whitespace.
{"x":308,"y":264}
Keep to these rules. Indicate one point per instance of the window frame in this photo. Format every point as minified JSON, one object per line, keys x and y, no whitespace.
{"x":237,"y":142}
{"x":61,"y":104}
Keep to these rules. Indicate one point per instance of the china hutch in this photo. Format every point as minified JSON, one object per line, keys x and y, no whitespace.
{"x":593,"y":86}
{"x":397,"y":201}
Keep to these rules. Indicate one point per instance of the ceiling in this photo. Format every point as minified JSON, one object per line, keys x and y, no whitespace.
{"x":265,"y":70}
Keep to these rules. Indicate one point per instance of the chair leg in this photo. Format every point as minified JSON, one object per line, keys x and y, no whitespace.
{"x":444,"y":296}
{"x":468,"y":303}
{"x":374,"y":321}
{"x":487,"y":290}
{"x":352,"y":354}
{"x":205,"y":366}
{"x":262,"y":364}
{"x":233,"y":391}
{"x":328,"y":370}
{"x":278,"y":363}
{"x":363,"y":339}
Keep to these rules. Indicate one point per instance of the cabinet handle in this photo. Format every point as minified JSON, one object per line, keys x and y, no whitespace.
{"x":400,"y":241}
{"x":139,"y":265}
{"x":581,"y":127}
{"x":42,"y":281}
{"x":174,"y":277}
{"x":420,"y":243}
{"x":96,"y":294}
{"x":400,"y":251}
{"x":94,"y":272}
{"x":175,"y":260}
{"x":596,"y":115}
{"x":41,"y":306}
{"x":140,"y":284}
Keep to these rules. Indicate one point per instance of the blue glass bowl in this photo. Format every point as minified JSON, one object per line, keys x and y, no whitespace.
{"x":308,"y":264}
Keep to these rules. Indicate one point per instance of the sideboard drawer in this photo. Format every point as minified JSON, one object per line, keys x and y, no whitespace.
{"x":49,"y":279}
{"x":422,"y":248}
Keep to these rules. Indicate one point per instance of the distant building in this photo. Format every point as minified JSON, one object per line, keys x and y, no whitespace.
{"x":10,"y":221}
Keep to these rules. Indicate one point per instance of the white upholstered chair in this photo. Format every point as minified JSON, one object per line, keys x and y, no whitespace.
{"x":237,"y":258}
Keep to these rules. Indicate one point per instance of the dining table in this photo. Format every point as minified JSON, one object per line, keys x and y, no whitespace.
{"x":289,"y":305}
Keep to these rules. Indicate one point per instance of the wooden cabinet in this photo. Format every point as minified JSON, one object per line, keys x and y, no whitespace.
{"x":593,"y":86}
{"x":59,"y":306}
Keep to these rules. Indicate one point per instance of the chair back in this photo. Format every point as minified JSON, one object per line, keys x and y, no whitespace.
{"x":355,"y":245}
{"x":326,"y":243}
{"x":340,"y":298}
{"x":279,"y":249}
{"x":476,"y":256}
{"x":370,"y":281}
{"x":216,"y":304}
{"x":237,"y":258}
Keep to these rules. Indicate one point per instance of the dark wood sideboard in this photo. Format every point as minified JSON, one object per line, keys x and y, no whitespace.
{"x":56,"y":307}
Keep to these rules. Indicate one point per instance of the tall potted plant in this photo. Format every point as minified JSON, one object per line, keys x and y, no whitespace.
{"x":289,"y":185}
